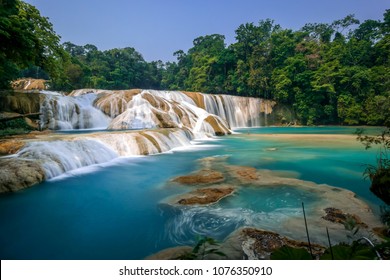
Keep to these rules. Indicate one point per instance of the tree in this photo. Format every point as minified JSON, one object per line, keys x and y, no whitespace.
{"x":27,"y":39}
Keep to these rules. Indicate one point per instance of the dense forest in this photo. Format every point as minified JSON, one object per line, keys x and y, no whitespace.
{"x":330,"y":73}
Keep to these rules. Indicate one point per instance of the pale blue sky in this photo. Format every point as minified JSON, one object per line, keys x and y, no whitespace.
{"x":156,"y":29}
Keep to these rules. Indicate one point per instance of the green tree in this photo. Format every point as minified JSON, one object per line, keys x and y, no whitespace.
{"x":27,"y":39}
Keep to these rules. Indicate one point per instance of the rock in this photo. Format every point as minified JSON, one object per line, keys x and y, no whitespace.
{"x":20,"y":102}
{"x":245,"y":174}
{"x":152,"y":140}
{"x":259,"y":244}
{"x":10,"y":146}
{"x":205,"y":196}
{"x":266,"y":106}
{"x":204,"y":176}
{"x":164,"y":119}
{"x":114,"y":103}
{"x":219,"y":128}
{"x":156,"y":101}
{"x":32,"y":124}
{"x":383,"y":232}
{"x":380,"y":184}
{"x":29,"y":84}
{"x":18,"y":174}
{"x":197,"y":97}
{"x":337,"y":216}
{"x":170,"y":253}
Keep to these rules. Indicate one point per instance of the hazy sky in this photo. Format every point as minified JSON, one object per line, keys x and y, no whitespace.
{"x":156,"y":29}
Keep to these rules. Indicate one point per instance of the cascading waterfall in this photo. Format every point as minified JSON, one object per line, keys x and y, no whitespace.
{"x":59,"y":112}
{"x":147,"y":109}
{"x":173,"y":118}
{"x":238,"y":111}
{"x":57,"y":157}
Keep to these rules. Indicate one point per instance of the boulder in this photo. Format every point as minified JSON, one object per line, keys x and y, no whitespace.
{"x":337,"y":216}
{"x":205,"y":196}
{"x":197,"y":97}
{"x":244,"y":174}
{"x":170,"y":253}
{"x":204,"y":176}
{"x":18,"y":174}
{"x":20,"y":102}
{"x":114,"y":103}
{"x":380,"y":184}
{"x":29,"y":84}
{"x":258,"y":244}
{"x":10,"y":146}
{"x":219,"y":128}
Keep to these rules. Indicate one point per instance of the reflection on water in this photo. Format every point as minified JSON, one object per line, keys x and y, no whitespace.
{"x":115,"y":211}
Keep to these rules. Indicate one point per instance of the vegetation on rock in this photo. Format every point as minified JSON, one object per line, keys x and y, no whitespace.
{"x":379,"y":174}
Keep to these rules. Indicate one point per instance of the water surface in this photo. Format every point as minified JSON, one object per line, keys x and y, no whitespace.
{"x":115,"y":210}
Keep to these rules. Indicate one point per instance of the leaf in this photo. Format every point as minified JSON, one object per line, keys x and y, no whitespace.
{"x":290,"y":253}
{"x":355,"y":251}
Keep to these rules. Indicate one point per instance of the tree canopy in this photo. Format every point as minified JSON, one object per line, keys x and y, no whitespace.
{"x":329,"y":73}
{"x":27,"y":40}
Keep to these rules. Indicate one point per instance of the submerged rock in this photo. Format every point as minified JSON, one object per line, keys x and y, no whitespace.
{"x":205,"y":195}
{"x":245,"y":174}
{"x":18,"y":174}
{"x":204,"y":176}
{"x":337,"y":216}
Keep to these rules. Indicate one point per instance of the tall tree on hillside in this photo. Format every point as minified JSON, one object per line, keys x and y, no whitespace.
{"x":27,"y":39}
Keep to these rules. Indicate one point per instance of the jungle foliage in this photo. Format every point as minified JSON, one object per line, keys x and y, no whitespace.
{"x":330,"y":73}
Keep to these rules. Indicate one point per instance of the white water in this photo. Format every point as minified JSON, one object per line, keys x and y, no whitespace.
{"x":238,"y":111}
{"x":118,"y":110}
{"x":59,"y":112}
{"x":57,"y":157}
{"x":98,"y":109}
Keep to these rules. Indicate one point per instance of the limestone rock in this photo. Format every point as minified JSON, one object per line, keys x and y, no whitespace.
{"x":170,"y":253}
{"x":337,"y":216}
{"x":29,"y":84}
{"x":259,"y":244}
{"x":114,"y":103}
{"x":20,"y":102}
{"x":10,"y":146}
{"x":219,"y":128}
{"x":205,"y":195}
{"x":204,"y":176}
{"x":17,"y":174}
{"x":245,"y":174}
{"x":197,"y":97}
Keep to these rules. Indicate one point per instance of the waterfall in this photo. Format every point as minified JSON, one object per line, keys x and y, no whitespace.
{"x":140,"y":109}
{"x":57,"y":157}
{"x":236,"y":110}
{"x":60,"y":156}
{"x":59,"y":112}
{"x":164,"y":119}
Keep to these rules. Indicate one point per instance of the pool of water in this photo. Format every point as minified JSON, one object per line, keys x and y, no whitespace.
{"x":117,"y":210}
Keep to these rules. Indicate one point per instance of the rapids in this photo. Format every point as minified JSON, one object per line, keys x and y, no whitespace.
{"x":133,"y":123}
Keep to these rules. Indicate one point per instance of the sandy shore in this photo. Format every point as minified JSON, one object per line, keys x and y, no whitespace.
{"x":314,"y":140}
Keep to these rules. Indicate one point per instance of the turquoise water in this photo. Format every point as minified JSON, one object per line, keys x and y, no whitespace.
{"x":116,"y":211}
